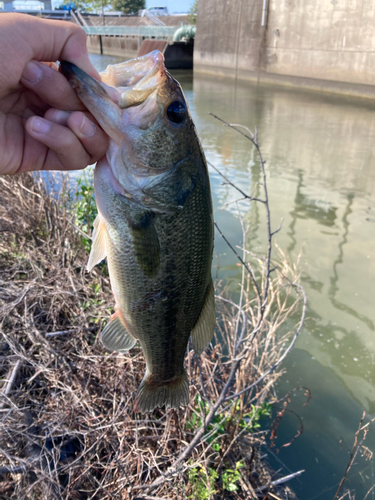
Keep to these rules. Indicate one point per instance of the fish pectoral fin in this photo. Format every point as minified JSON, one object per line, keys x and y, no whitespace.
{"x":145,"y":243}
{"x":203,"y":330}
{"x":99,"y":247}
{"x":116,"y":337}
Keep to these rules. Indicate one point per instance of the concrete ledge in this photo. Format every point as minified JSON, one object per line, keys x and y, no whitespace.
{"x":343,"y":88}
{"x":125,"y":47}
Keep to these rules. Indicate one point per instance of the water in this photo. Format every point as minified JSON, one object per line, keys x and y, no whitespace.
{"x":321,"y":179}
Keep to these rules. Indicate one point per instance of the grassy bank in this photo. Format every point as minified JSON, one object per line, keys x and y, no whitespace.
{"x":68,"y":429}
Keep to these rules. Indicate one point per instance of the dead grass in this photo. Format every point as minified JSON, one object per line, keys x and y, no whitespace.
{"x":67,"y":426}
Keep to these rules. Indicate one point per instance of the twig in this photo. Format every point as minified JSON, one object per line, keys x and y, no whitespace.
{"x":10,"y":383}
{"x":12,"y":377}
{"x":245,"y":196}
{"x":242,"y":261}
{"x":147,"y":497}
{"x":84,"y":235}
{"x":66,"y":332}
{"x":253,"y":138}
{"x":369,"y":491}
{"x":279,"y":481}
{"x":286,"y":352}
{"x":353,"y":454}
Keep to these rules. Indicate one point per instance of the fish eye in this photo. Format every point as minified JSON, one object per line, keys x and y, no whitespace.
{"x":176,"y":111}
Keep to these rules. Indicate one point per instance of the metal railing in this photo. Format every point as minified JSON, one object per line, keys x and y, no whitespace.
{"x":153,"y":18}
{"x":159,"y":32}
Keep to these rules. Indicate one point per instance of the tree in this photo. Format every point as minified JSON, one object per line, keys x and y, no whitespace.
{"x":192,"y":17}
{"x":87,"y":5}
{"x":129,"y":6}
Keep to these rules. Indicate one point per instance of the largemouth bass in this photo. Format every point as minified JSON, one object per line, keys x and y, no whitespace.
{"x":155,"y":222}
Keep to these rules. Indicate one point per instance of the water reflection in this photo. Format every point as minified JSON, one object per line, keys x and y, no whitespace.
{"x":321,"y":180}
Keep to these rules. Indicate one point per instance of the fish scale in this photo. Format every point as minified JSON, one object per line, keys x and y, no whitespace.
{"x":155,"y":223}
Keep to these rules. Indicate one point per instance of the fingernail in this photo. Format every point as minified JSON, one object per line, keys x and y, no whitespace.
{"x":59,"y":115}
{"x":87,"y":128}
{"x":40,"y":125}
{"x":32,"y":72}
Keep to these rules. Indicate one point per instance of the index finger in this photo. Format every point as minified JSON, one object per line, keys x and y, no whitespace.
{"x":46,"y":40}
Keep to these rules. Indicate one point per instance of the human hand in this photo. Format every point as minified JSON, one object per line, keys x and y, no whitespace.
{"x":43,"y":124}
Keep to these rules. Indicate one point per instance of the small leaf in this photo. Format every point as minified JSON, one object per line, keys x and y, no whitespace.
{"x":231,"y":487}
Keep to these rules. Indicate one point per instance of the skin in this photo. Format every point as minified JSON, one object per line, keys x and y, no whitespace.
{"x":43,"y":125}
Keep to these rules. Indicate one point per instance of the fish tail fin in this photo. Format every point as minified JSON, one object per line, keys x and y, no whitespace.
{"x":171,"y":393}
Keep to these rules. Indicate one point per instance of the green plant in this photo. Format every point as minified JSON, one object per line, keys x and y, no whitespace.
{"x":201,"y":489}
{"x":88,"y":5}
{"x":128,"y":6}
{"x":85,"y":207}
{"x":231,"y":476}
{"x":192,"y":17}
{"x":220,"y":423}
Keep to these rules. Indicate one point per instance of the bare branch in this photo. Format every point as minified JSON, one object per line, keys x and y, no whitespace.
{"x":280,"y":481}
{"x":245,"y":196}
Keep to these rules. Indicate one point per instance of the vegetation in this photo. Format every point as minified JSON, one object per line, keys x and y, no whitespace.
{"x":71,"y":431}
{"x":85,"y":210}
{"x":88,"y":5}
{"x":193,"y":12}
{"x":129,"y":6}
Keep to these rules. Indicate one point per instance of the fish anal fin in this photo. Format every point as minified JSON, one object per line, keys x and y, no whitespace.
{"x":203,"y":330}
{"x":115,"y":335}
{"x":98,"y":248}
{"x":170,"y":393}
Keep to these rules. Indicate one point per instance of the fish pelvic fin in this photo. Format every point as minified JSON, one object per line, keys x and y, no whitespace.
{"x":203,"y":330}
{"x":171,"y":393}
{"x":115,"y":336}
{"x":99,"y":247}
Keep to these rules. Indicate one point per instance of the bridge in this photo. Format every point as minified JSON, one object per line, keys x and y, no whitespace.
{"x":153,"y":32}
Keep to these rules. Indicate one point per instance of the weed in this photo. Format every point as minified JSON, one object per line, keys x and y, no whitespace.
{"x":201,"y":488}
{"x":231,"y":476}
{"x":85,"y":207}
{"x":221,"y":424}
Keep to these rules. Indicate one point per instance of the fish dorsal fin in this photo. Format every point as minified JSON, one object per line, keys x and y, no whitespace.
{"x":98,"y":248}
{"x":116,"y":337}
{"x":203,"y":330}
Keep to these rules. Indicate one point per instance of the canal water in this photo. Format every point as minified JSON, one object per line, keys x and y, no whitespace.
{"x":320,"y":154}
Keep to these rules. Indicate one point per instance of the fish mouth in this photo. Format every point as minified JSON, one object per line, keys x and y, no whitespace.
{"x":123,"y":85}
{"x":141,"y":73}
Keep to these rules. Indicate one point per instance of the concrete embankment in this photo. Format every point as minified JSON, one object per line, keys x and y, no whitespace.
{"x":128,"y":46}
{"x":324,"y":45}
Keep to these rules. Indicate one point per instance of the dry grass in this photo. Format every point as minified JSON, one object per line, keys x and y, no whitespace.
{"x":67,"y":427}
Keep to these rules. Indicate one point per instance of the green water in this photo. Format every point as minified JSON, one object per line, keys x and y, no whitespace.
{"x":320,"y":165}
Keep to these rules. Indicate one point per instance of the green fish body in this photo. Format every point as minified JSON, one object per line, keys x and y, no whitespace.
{"x":155,"y":223}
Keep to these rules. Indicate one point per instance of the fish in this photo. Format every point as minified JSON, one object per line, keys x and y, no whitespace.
{"x":155,"y":222}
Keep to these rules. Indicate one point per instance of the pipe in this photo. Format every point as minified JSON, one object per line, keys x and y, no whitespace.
{"x":264,"y":12}
{"x":184,"y":32}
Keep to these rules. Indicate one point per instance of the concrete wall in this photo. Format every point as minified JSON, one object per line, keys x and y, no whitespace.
{"x":114,"y":46}
{"x":229,"y":36}
{"x":317,"y":44}
{"x":326,"y":39}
